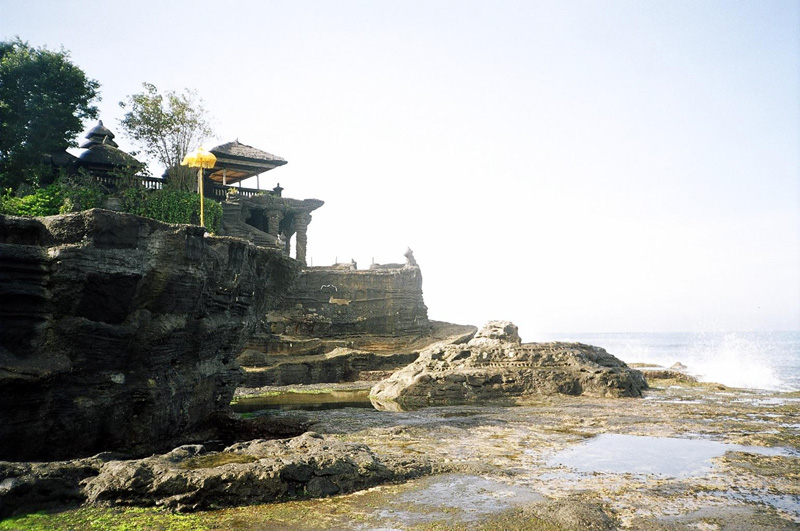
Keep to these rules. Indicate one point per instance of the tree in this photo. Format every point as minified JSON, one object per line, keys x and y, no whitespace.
{"x":44,"y":99}
{"x":166,"y":127}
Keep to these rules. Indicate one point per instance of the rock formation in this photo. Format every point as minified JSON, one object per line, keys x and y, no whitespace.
{"x":337,"y":322}
{"x":495,"y":363}
{"x":119,"y":332}
{"x":337,"y":302}
{"x":189,"y":478}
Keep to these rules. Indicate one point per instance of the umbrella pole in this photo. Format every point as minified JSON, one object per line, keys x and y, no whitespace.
{"x":200,"y":187}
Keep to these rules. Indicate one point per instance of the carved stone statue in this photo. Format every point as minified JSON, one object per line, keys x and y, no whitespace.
{"x":410,"y":261}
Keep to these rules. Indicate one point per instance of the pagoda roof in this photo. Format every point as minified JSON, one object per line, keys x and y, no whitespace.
{"x":107,"y":155}
{"x":239,"y":161}
{"x":102,"y":152}
{"x":99,"y":134}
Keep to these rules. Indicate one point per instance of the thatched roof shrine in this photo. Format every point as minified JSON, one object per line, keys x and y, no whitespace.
{"x":102,"y":153}
{"x":237,"y":161}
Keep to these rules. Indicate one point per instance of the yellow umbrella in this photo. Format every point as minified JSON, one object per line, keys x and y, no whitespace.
{"x":200,"y":158}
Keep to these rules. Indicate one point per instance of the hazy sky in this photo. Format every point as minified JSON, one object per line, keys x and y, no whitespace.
{"x":571,"y":166}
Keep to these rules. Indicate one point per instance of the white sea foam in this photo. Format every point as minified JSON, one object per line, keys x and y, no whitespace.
{"x":757,"y":360}
{"x":736,"y":360}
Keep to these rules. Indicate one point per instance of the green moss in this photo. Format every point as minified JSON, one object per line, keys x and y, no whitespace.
{"x":128,"y":519}
{"x":268,"y":394}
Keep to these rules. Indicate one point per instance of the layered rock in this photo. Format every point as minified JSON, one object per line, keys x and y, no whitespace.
{"x":338,"y":322}
{"x":338,"y":302}
{"x":365,"y":357}
{"x":189,"y":478}
{"x":119,"y":332}
{"x":495,"y":364}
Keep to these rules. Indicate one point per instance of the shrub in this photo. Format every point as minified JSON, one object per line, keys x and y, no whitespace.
{"x":45,"y":201}
{"x":172,"y":206}
{"x":80,"y":192}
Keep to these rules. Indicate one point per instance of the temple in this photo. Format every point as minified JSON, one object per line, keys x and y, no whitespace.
{"x":102,"y":155}
{"x":263,"y":217}
{"x":237,"y":162}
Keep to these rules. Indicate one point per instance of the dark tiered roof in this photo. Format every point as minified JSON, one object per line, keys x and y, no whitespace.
{"x":99,"y":134}
{"x":102,"y":153}
{"x":239,"y":161}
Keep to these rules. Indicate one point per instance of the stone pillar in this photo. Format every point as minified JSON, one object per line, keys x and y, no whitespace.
{"x":301,"y":222}
{"x":274,"y":218}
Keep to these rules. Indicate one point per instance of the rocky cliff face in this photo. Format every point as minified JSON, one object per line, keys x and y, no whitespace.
{"x":338,"y":322}
{"x":496,"y":364}
{"x":336,"y":302}
{"x":118,"y":332}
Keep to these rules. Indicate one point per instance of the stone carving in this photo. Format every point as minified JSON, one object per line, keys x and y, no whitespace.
{"x":269,"y":220}
{"x":495,"y":363}
{"x":410,"y":261}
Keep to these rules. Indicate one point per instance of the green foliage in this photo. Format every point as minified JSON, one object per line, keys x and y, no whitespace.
{"x":70,"y":193}
{"x":80,"y":192}
{"x":127,"y":519}
{"x":182,"y":178}
{"x":45,"y":201}
{"x":73,"y":193}
{"x":172,"y":206}
{"x":167,"y":126}
{"x":44,"y":99}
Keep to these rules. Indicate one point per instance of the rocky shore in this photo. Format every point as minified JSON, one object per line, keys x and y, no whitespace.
{"x":123,"y":336}
{"x":538,"y":463}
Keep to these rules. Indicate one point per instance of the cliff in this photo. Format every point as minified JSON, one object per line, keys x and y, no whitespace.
{"x":119,"y":332}
{"x":337,"y":324}
{"x":336,"y":302}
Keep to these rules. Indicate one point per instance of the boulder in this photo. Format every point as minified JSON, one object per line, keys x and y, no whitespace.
{"x":496,"y":364}
{"x":120,"y":332}
{"x":190,"y":478}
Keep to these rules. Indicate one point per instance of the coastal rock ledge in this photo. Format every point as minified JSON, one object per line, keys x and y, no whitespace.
{"x":120,"y":333}
{"x":496,"y":364}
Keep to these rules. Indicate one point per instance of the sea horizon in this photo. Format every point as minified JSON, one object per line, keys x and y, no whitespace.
{"x":768,"y":360}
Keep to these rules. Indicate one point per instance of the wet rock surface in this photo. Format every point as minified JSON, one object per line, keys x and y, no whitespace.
{"x":122,"y":332}
{"x":501,"y":469}
{"x":752,"y":485}
{"x":190,"y":478}
{"x":496,"y":364}
{"x":248,"y":472}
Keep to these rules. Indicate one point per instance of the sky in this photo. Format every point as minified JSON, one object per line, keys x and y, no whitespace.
{"x":616,"y":166}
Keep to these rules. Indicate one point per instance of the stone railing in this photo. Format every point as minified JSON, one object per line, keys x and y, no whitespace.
{"x":110,"y":181}
{"x":220,"y":192}
{"x":216,"y":191}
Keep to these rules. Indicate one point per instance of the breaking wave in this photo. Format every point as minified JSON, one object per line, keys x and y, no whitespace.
{"x":756,"y":360}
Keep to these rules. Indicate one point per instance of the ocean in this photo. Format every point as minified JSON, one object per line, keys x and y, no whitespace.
{"x":755,"y":360}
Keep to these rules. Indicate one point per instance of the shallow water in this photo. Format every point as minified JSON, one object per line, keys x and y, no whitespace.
{"x":666,"y":456}
{"x":466,"y":497}
{"x":304,"y":401}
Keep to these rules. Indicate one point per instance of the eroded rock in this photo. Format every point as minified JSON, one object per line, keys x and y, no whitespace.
{"x":121,"y":332}
{"x":189,"y":478}
{"x":495,"y":364}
